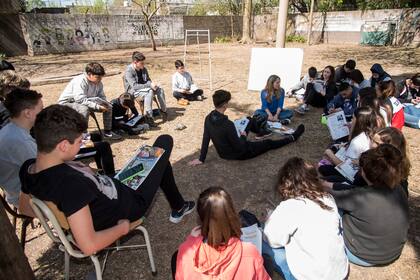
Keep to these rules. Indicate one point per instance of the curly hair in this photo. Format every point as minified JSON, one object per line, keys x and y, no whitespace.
{"x":299,"y":179}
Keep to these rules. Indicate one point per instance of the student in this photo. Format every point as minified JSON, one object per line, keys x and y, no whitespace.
{"x":16,"y":143}
{"x":183,"y":87}
{"x":320,"y":92}
{"x":378,"y":75}
{"x":214,"y":250}
{"x":137,"y":82}
{"x":307,"y":79}
{"x":341,"y":73}
{"x":394,"y":137}
{"x":99,"y":209}
{"x":363,"y":127}
{"x":375,"y":216}
{"x":357,"y":80}
{"x":386,"y":92}
{"x":222,"y":132}
{"x":345,"y":100}
{"x":9,"y":80}
{"x":409,"y":95}
{"x":372,"y":102}
{"x":120,"y":115}
{"x":272,"y":101}
{"x":302,"y":235}
{"x":85,"y":94}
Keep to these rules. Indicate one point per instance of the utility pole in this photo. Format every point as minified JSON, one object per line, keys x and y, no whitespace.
{"x":311,"y":14}
{"x":282,"y":24}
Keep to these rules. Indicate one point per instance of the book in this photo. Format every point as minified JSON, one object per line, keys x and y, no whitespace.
{"x":139,"y":166}
{"x":241,"y":125}
{"x":277,"y":127}
{"x":133,"y":121}
{"x":101,"y":102}
{"x":341,"y":153}
{"x":193,"y":88}
{"x":252,"y":234}
{"x":337,"y":125}
{"x":348,"y":169}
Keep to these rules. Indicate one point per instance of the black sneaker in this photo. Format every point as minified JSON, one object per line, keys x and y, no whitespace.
{"x":176,"y":216}
{"x":298,"y":132}
{"x":150,"y":121}
{"x":263,"y":134}
{"x":285,"y":121}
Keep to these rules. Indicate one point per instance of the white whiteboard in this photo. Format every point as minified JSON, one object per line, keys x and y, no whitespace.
{"x":283,"y":62}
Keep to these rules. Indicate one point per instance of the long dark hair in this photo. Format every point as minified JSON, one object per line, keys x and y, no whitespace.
{"x":299,"y":179}
{"x":332,"y":76}
{"x":366,"y":120}
{"x":218,"y":218}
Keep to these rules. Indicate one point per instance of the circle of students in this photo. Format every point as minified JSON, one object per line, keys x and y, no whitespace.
{"x":324,"y":220}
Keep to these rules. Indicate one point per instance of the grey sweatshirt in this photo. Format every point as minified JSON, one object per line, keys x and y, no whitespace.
{"x":135,"y":80}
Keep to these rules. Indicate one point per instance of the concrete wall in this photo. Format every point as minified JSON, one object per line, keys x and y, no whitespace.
{"x":11,"y":36}
{"x":345,"y":26}
{"x":47,"y":33}
{"x":219,"y":26}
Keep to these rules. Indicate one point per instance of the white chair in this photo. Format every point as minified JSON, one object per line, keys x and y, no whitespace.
{"x":59,"y":232}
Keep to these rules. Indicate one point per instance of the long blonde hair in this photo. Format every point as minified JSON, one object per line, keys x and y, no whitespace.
{"x":269,"y":87}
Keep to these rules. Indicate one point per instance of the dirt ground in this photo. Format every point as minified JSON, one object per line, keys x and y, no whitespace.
{"x":249,"y":182}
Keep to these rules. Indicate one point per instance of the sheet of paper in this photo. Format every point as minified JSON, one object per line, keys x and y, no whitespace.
{"x":275,"y":125}
{"x":337,"y":125}
{"x":193,"y":88}
{"x":347,"y":169}
{"x":341,"y":154}
{"x":252,"y":234}
{"x":240,"y":125}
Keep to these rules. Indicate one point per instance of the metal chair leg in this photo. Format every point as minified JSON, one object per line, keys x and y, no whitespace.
{"x":97,"y":267}
{"x":25,"y":224}
{"x":66,"y":265}
{"x":149,"y":249}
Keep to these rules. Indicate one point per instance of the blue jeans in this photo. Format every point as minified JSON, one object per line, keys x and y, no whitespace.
{"x":284,"y":114}
{"x":412,"y":116}
{"x":278,"y":255}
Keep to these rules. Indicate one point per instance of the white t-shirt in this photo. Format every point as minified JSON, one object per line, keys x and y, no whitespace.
{"x":358,"y":145}
{"x":311,"y":236}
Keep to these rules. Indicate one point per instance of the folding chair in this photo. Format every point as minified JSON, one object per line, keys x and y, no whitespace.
{"x":140,"y":101}
{"x":26,"y":220}
{"x":92,"y":114}
{"x":59,"y":232}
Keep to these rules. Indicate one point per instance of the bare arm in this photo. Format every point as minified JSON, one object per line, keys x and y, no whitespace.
{"x":24,"y":206}
{"x":89,"y":240}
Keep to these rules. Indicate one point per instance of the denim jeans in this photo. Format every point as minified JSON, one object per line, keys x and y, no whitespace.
{"x":278,"y":256}
{"x":284,"y":114}
{"x":411,"y":115}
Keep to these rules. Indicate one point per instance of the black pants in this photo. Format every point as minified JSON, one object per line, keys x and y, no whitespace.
{"x":190,"y":97}
{"x":314,"y":98}
{"x":103,"y":157}
{"x":160,"y":176}
{"x":329,"y":170}
{"x":257,"y":148}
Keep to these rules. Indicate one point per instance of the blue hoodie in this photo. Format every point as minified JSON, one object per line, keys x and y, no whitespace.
{"x":347,"y":105}
{"x":377,"y":68}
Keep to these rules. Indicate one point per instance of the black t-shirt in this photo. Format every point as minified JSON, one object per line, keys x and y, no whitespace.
{"x":143,"y":76}
{"x":71,"y":190}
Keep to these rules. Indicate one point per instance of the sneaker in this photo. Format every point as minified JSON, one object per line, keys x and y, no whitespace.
{"x":199,"y":98}
{"x":150,"y":121}
{"x":298,"y":132}
{"x":143,"y":126}
{"x":164,"y":115}
{"x":112,"y":136}
{"x":285,"y":121}
{"x":300,"y":110}
{"x":306,"y":107}
{"x":183,"y":102}
{"x":263,"y":134}
{"x":176,"y":216}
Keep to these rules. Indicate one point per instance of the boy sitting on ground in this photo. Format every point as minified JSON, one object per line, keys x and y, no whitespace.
{"x":184,"y":89}
{"x":85,"y":94}
{"x":98,"y":208}
{"x":222,"y":132}
{"x":308,"y":78}
{"x":120,"y":115}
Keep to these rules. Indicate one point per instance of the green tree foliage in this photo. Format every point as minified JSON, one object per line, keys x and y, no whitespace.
{"x":32,"y":4}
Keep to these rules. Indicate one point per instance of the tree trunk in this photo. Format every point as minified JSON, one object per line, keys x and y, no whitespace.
{"x":246,"y":22}
{"x":13,"y":262}
{"x":152,"y":36}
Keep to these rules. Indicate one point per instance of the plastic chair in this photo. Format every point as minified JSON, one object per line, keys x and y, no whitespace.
{"x":26,"y":220}
{"x":59,"y":232}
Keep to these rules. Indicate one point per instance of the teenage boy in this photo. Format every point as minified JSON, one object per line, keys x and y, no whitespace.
{"x":123,"y":109}
{"x":345,"y":100}
{"x":137,"y":82}
{"x":16,"y":143}
{"x":341,"y":73}
{"x":85,"y":94}
{"x":222,"y":132}
{"x":98,"y":208}
{"x":308,"y":78}
{"x":183,"y":87}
